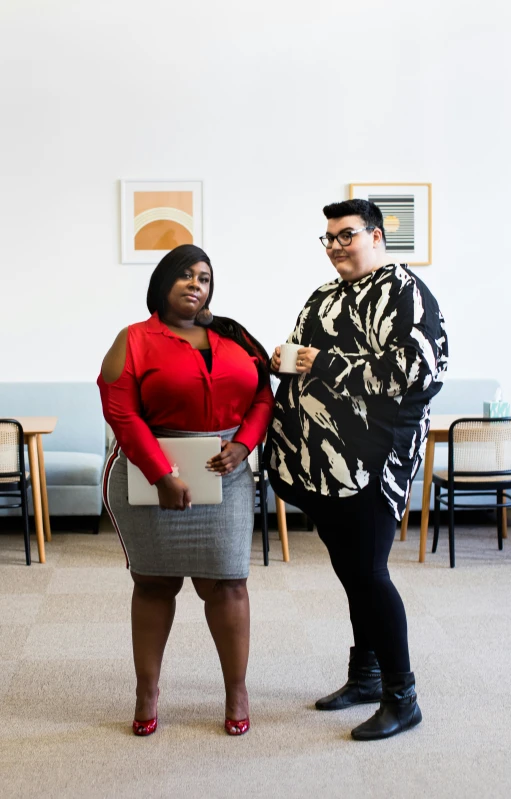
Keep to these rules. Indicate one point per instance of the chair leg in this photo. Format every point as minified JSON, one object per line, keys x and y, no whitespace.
{"x":26,"y":526}
{"x":436,"y":519}
{"x":282,"y":525}
{"x":500,"y":501}
{"x":263,"y":502}
{"x":404,"y":521}
{"x":95,"y":525}
{"x":451,"y":528}
{"x":504,"y":518}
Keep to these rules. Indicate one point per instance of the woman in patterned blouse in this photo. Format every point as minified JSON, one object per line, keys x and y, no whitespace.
{"x":348,"y":437}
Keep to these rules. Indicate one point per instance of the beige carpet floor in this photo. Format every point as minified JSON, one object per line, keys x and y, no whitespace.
{"x":66,"y":680}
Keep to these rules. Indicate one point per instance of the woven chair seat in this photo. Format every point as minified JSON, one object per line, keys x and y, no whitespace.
{"x":443,"y":474}
{"x":13,"y":479}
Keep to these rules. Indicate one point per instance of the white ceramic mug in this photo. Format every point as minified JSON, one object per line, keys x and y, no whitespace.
{"x":288,"y":358}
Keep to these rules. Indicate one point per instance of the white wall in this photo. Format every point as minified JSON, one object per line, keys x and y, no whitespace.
{"x":277,"y":106}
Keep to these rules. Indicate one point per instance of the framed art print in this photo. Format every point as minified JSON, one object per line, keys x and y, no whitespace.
{"x":406,"y":210}
{"x":157,"y":216}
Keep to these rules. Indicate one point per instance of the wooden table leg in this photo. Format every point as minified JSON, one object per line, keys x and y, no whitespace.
{"x":504,"y":521}
{"x":36,"y":495}
{"x":282,"y":527}
{"x":404,"y":522}
{"x":426,"y":495}
{"x":44,"y":494}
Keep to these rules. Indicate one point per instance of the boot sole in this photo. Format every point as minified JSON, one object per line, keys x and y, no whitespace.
{"x":351,"y":704}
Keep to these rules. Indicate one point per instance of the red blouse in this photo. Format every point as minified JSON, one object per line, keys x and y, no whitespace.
{"x":165,"y":383}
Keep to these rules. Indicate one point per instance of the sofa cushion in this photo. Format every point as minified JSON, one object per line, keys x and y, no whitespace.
{"x":77,"y":406}
{"x":73,"y":468}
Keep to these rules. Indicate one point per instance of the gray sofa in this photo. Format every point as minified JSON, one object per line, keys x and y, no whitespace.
{"x":458,"y":396}
{"x":74,"y":453}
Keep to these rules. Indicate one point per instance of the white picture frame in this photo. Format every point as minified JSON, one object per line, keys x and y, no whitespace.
{"x":407,"y":206}
{"x":158,"y":215}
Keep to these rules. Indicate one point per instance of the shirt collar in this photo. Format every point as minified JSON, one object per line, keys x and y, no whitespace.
{"x":345,"y":285}
{"x":155,"y":325}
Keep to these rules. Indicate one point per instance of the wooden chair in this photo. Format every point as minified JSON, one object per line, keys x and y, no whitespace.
{"x":280,"y":507}
{"x":404,"y":521}
{"x":13,"y":478}
{"x":479,"y":464}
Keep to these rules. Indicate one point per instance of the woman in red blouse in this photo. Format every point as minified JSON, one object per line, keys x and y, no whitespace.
{"x":185,"y":372}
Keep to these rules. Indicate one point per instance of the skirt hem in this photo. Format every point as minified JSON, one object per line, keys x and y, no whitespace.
{"x":201,"y":576}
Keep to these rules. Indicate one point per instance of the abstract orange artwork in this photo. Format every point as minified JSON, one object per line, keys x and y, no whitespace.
{"x":156,"y":217}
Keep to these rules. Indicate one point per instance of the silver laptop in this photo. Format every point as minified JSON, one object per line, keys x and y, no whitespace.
{"x":188,"y":457}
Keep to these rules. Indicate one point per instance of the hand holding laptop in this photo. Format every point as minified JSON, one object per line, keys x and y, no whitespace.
{"x":230,"y":456}
{"x":173,"y":493}
{"x":197,"y":463}
{"x":191,"y":481}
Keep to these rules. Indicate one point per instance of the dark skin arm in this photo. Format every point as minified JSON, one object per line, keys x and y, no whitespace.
{"x":231,"y":455}
{"x":173,"y":493}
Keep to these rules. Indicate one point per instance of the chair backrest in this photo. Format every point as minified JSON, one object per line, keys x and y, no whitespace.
{"x":465,"y":395}
{"x":255,"y":460}
{"x":77,"y":406}
{"x":480,"y":448}
{"x":11,"y":451}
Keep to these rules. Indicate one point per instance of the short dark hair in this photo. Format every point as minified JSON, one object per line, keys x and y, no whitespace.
{"x":163,"y":278}
{"x":366,"y":210}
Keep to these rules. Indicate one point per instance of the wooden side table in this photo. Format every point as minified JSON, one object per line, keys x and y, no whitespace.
{"x":34,"y":427}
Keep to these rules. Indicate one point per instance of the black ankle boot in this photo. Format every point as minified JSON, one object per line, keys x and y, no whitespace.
{"x":398,"y":709}
{"x":363,"y":686}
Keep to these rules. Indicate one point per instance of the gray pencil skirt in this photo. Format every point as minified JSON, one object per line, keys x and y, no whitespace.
{"x":211,"y":541}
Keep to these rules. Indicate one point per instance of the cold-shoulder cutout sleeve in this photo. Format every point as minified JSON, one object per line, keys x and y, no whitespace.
{"x":122,"y":409}
{"x":113,"y":362}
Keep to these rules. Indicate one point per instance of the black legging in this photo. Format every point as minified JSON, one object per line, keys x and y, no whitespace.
{"x":358,"y":532}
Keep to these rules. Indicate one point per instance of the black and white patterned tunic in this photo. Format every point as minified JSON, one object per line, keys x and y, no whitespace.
{"x":363,"y":411}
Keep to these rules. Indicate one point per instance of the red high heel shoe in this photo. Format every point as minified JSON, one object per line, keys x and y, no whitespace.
{"x":146,"y":727}
{"x":239,"y":727}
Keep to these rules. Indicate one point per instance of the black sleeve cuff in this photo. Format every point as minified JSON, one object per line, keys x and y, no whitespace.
{"x":322,"y":366}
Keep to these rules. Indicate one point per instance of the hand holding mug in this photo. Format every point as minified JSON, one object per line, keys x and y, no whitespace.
{"x":275,"y":360}
{"x":293,"y":359}
{"x":305,"y":357}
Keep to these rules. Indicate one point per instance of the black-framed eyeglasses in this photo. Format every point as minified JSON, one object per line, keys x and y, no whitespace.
{"x":344,"y":238}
